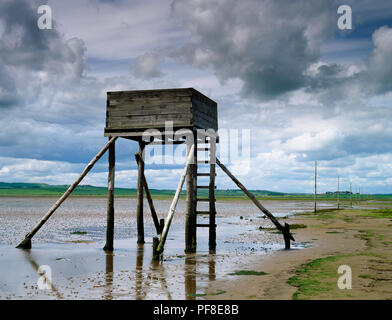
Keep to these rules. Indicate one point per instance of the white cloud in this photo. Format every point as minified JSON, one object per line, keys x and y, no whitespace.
{"x":147,"y":66}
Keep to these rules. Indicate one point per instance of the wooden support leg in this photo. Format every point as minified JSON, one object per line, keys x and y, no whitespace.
{"x":161,"y":225}
{"x":110,"y":205}
{"x":212,"y":209}
{"x":191,"y":188}
{"x":285,"y":230}
{"x":139,"y":208}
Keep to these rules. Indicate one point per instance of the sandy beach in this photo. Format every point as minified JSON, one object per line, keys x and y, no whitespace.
{"x":354,"y":237}
{"x":250,"y":262}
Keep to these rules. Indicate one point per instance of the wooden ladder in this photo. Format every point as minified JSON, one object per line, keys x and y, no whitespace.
{"x":211,"y":149}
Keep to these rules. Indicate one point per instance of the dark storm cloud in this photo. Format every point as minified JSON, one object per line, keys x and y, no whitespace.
{"x":8,"y":93}
{"x":34,"y":56}
{"x":267,"y":44}
{"x":46,"y":98}
{"x":270,"y":45}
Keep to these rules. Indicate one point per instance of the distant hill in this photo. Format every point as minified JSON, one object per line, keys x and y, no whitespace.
{"x":43,"y":189}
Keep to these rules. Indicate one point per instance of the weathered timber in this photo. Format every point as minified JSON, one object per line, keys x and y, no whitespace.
{"x":202,"y":212}
{"x":26,"y":243}
{"x":174,"y":202}
{"x":139,"y":197}
{"x":203,"y":174}
{"x":149,"y":198}
{"x":255,"y":201}
{"x":110,"y":204}
{"x":212,"y":230}
{"x":204,"y":225}
{"x":155,"y":254}
{"x":190,"y":216}
{"x":140,"y":110}
{"x":161,"y":225}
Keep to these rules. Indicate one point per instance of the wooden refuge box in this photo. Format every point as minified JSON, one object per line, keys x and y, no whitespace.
{"x":128,"y":115}
{"x":129,"y":112}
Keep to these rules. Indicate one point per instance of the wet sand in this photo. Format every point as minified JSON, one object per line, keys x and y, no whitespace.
{"x":345,"y":238}
{"x":80,"y":269}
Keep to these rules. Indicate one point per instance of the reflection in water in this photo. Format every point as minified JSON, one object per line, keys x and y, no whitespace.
{"x":37,"y":269}
{"x":140,"y":292}
{"x":158,"y":268}
{"x":109,"y":276}
{"x":211,"y":267}
{"x":190,"y":276}
{"x":154,"y":280}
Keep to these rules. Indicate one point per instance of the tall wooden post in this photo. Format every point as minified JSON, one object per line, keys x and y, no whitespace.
{"x":110,"y":204}
{"x":139,"y":207}
{"x":191,"y":192}
{"x":315,"y":186}
{"x":212,"y":209}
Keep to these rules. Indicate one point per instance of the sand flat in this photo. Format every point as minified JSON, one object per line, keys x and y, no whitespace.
{"x":71,"y":244}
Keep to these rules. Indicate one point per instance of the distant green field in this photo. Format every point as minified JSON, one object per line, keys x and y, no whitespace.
{"x":45,"y":190}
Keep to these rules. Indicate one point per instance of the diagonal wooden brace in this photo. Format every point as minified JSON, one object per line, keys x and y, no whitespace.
{"x":26,"y":243}
{"x":158,"y":224}
{"x":284,"y":229}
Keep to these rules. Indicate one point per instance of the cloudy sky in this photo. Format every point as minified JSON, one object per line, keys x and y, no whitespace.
{"x":283,"y":69}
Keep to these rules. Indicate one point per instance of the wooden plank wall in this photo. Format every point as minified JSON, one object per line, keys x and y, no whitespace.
{"x":136,"y":110}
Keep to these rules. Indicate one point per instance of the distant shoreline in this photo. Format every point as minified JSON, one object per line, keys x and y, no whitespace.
{"x":344,"y":202}
{"x":45,"y":190}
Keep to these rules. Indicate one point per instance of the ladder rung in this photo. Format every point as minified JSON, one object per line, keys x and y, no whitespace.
{"x":202,"y":212}
{"x":203,"y":225}
{"x":203,"y":174}
{"x":204,"y":199}
{"x":203,"y":161}
{"x":203,"y":187}
{"x":203,"y":149}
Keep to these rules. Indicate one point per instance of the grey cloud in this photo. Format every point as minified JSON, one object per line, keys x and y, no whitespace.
{"x":8,"y":93}
{"x":40,"y":58}
{"x":270,"y":46}
{"x":267,"y":44}
{"x":379,"y":73}
{"x":332,"y":84}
